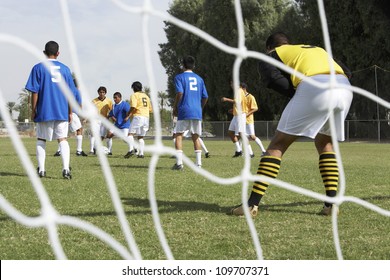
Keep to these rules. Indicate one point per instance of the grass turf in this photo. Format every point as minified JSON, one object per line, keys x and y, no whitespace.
{"x":193,"y":209}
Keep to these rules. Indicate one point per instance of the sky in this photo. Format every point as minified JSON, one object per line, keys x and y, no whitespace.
{"x":108,"y":43}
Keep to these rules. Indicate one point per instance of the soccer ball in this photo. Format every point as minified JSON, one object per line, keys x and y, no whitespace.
{"x":105,"y":150}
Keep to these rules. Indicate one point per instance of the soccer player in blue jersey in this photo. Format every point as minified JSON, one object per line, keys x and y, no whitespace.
{"x":118,"y":114}
{"x":191,"y":97}
{"x":50,"y":108}
{"x":75,"y":126}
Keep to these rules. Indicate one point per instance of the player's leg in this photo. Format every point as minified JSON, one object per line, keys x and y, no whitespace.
{"x":41,"y":156}
{"x":109,"y":142}
{"x":61,"y":134}
{"x":179,"y":151}
{"x":328,"y":168}
{"x":269,"y":166}
{"x":204,"y":148}
{"x":141,"y":142}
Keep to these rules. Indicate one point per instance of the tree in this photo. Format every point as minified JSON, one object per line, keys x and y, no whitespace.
{"x":217,"y":17}
{"x":24,"y":106}
{"x":11,"y":107}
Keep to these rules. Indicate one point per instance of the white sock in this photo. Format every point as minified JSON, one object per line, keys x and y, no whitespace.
{"x":92,"y":143}
{"x":79,"y":141}
{"x":128,"y":143}
{"x":258,"y":142}
{"x":238,"y":146}
{"x":198,"y":156}
{"x":179,"y":157}
{"x":58,"y":149}
{"x":203,"y":145}
{"x":109,"y":144}
{"x":41,"y":154}
{"x":65,"y":154}
{"x":250,"y":149}
{"x":131,"y":142}
{"x":141,"y":146}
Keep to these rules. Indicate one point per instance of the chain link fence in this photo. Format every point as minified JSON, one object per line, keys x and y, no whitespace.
{"x":355,"y":130}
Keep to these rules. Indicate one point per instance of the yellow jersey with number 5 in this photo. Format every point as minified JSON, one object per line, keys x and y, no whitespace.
{"x":306,"y":59}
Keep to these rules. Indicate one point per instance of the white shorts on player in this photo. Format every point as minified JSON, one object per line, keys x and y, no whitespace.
{"x":194,"y":126}
{"x":52,"y":130}
{"x":125,"y":131}
{"x":307,"y":113}
{"x":139,"y":126}
{"x":101,"y":128}
{"x":75,"y":124}
{"x":250,"y":129}
{"x":238,"y":124}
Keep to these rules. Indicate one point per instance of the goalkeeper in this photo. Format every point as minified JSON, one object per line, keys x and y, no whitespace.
{"x":306,"y":114}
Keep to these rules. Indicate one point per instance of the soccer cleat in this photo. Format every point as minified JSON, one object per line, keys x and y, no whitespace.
{"x":93,"y":152}
{"x":327,"y":210}
{"x":207,"y":155}
{"x":263,"y":154}
{"x":239,"y":210}
{"x":179,"y":167}
{"x":129,"y":154}
{"x":252,"y":155}
{"x":109,"y":154}
{"x":237,"y":154}
{"x":81,"y":154}
{"x":41,"y":174}
{"x":57,"y":154}
{"x":66,"y":174}
{"x":140,"y":156}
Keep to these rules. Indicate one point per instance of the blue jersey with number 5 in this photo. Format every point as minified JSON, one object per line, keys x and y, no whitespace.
{"x":52,"y":104}
{"x":194,"y":90}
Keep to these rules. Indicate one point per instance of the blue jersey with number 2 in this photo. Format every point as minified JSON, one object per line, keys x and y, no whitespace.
{"x":52,"y":104}
{"x":194,"y":90}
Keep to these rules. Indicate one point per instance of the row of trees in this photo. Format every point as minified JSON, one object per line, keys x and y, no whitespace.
{"x":358,"y":30}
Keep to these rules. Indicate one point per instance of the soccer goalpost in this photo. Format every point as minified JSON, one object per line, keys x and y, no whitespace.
{"x":50,"y":218}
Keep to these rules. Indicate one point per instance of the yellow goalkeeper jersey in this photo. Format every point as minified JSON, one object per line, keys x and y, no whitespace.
{"x":104,"y":106}
{"x":141,"y":104}
{"x":306,"y":59}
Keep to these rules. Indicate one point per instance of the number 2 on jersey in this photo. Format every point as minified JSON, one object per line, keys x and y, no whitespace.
{"x":193,"y":83}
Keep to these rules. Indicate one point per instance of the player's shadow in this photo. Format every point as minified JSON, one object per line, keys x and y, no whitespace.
{"x":293,"y":207}
{"x":172,"y":206}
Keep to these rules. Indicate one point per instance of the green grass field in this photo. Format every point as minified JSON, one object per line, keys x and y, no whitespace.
{"x":193,"y":209}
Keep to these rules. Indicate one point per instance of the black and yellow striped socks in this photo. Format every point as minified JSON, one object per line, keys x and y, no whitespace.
{"x":269,"y":166}
{"x":329,"y":173}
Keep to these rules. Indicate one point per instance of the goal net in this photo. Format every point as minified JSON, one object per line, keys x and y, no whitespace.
{"x":51,"y":218}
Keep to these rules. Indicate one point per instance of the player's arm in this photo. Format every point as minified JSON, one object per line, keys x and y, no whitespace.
{"x":34,"y":101}
{"x":225,"y":99}
{"x":204,"y":101}
{"x":275,"y":79}
{"x":178,"y":98}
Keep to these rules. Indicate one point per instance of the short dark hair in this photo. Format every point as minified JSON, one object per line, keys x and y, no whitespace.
{"x":276,"y":40}
{"x":51,"y":48}
{"x":136,"y":86}
{"x":118,"y":94}
{"x":101,"y":88}
{"x":243,"y":85}
{"x":188,"y":62}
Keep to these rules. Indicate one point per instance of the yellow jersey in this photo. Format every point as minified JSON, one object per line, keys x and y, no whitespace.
{"x":306,"y":59}
{"x":141,"y":104}
{"x":242,"y":100}
{"x":104,"y":106}
{"x":251,"y":104}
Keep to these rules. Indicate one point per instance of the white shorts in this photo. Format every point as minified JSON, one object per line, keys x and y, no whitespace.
{"x":238,"y":124}
{"x":250,"y":129}
{"x":52,"y":130}
{"x":194,"y":126}
{"x":307,"y":113}
{"x":139,"y":125}
{"x":75,"y":124}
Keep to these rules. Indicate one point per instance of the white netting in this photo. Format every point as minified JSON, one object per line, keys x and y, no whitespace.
{"x":50,"y":219}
